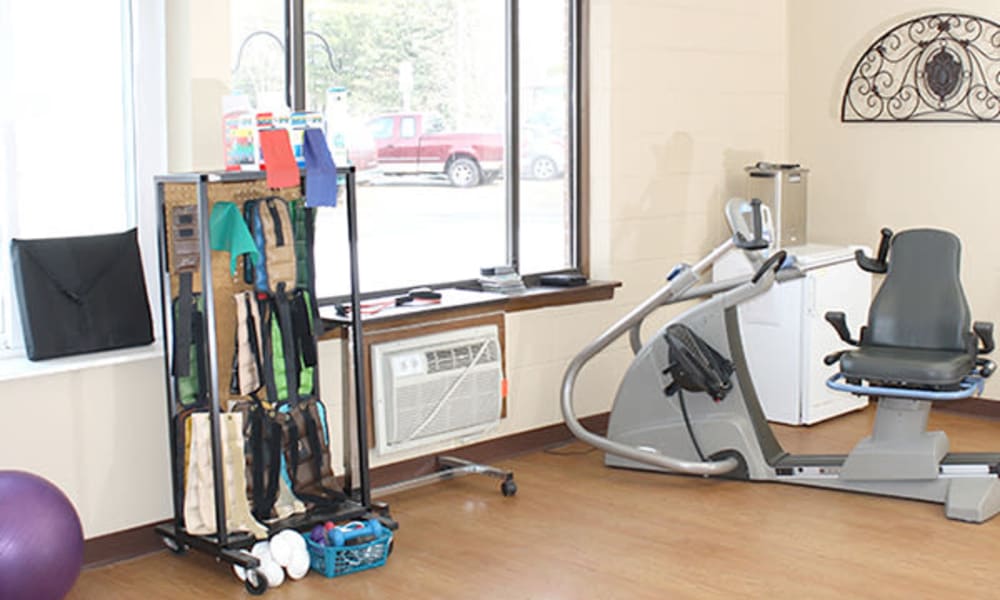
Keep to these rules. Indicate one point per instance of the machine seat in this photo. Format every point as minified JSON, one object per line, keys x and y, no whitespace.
{"x":908,"y":367}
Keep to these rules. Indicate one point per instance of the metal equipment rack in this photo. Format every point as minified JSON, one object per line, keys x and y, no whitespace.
{"x":202,"y":189}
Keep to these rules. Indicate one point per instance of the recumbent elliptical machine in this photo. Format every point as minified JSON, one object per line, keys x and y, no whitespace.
{"x":687,"y":403}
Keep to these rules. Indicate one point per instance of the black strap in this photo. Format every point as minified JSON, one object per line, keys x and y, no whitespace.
{"x":267,"y":373}
{"x":182,"y":326}
{"x":201,"y":369}
{"x":279,"y":234}
{"x":331,"y":497}
{"x":304,"y":339}
{"x":288,"y":344}
{"x":265,"y":435}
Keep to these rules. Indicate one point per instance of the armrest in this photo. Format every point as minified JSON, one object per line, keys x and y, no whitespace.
{"x":984,"y":331}
{"x":839,"y":321}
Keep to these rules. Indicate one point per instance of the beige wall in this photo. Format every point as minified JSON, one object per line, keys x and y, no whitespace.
{"x":680,"y":105}
{"x":866,"y":176}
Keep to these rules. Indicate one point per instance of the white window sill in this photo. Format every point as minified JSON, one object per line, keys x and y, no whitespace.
{"x":19,"y":367}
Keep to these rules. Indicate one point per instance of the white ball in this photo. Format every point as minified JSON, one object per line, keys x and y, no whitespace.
{"x":281,"y":550}
{"x":299,"y":567}
{"x":284,"y":545}
{"x":272,"y":571}
{"x":274,"y":574}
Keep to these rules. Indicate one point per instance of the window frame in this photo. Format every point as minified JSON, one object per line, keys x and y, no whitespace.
{"x":578,"y":160}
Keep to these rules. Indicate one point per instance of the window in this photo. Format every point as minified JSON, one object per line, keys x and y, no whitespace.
{"x":381,"y":128}
{"x":68,"y":163}
{"x":430,"y":82}
{"x":408,"y":127}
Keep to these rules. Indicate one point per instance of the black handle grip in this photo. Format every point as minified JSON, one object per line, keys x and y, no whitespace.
{"x":984,"y":331}
{"x":839,"y":321}
{"x":832,"y":359}
{"x":757,"y":242}
{"x":777,"y":259}
{"x":877,"y":264}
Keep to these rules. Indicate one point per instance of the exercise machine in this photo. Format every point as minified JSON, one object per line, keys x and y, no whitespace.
{"x":687,"y":402}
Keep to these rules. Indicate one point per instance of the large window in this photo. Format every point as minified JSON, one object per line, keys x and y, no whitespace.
{"x":66,"y":157}
{"x":417,"y":96}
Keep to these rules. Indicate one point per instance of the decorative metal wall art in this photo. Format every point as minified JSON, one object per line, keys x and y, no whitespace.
{"x":940,"y":67}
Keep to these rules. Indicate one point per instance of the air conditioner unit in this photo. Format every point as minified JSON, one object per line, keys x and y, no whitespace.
{"x":436,"y":388}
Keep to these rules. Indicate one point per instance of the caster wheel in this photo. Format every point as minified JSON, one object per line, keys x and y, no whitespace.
{"x":508,"y":487}
{"x":255,"y":582}
{"x":174,"y":546}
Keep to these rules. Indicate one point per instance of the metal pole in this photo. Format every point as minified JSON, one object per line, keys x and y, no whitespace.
{"x":357,"y":337}
{"x":295,"y":56}
{"x":211,"y":355}
{"x":168,"y":344}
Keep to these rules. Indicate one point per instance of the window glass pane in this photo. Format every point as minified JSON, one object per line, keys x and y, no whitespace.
{"x":65,"y":153}
{"x":546,"y":226}
{"x":434,"y":204}
{"x":258,"y":63}
{"x":72,"y":124}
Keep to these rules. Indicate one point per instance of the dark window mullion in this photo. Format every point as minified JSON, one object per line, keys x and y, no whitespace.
{"x":513,"y":174}
{"x":575,"y":127}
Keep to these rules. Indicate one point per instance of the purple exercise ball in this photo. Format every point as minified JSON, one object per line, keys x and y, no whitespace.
{"x":41,"y":540}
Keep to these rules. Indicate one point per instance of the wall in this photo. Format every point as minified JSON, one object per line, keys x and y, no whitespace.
{"x":680,"y":103}
{"x":898,"y":175}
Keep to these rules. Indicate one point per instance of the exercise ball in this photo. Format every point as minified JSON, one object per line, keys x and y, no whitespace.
{"x":41,"y":540}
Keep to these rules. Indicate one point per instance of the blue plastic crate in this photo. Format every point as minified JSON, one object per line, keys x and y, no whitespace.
{"x":333,"y":561}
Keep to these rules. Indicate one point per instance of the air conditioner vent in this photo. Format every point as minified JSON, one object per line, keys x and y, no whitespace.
{"x":460,"y":357}
{"x":436,"y":388}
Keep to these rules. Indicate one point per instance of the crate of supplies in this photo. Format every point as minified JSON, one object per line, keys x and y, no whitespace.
{"x":336,"y":550}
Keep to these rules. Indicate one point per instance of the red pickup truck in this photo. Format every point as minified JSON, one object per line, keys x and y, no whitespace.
{"x":416,"y":143}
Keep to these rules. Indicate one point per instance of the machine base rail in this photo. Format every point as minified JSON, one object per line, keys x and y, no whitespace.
{"x":450,"y":467}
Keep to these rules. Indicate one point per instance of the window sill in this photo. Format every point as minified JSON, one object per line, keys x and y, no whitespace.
{"x":19,"y":367}
{"x":458,"y":302}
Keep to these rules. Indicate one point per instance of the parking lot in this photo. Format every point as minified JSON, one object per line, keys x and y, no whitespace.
{"x":413,"y":231}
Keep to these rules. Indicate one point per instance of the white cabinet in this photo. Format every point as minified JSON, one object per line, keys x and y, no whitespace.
{"x":785,"y":336}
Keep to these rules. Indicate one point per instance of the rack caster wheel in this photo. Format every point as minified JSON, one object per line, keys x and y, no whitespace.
{"x":508,"y":487}
{"x":255,"y":582}
{"x":174,"y":546}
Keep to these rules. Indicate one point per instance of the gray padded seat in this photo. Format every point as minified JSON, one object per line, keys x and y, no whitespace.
{"x":918,"y":332}
{"x":907,"y":367}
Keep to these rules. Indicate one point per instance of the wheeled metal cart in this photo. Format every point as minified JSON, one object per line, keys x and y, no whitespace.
{"x":199,"y":192}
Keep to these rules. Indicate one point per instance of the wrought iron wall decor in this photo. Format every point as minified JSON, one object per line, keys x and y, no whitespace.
{"x":940,"y":67}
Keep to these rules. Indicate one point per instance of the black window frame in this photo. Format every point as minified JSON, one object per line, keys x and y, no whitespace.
{"x":295,"y":90}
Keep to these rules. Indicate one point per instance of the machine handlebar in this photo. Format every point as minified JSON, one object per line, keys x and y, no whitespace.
{"x":758,"y":241}
{"x":774,"y":262}
{"x":877,"y":264}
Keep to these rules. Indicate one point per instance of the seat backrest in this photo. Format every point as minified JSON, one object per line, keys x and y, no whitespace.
{"x":921,"y":303}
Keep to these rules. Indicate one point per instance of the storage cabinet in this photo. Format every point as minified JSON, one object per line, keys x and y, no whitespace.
{"x":785,"y":336}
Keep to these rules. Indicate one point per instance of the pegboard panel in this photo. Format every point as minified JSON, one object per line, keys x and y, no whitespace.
{"x":225,"y":283}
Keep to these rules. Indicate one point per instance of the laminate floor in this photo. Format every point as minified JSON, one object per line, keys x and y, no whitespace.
{"x":578,"y":530}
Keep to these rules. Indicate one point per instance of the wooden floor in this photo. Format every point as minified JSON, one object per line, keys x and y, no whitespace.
{"x":579,"y":530}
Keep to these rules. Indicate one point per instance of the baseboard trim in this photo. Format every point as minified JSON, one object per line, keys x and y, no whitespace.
{"x":984,"y":408}
{"x":138,"y":541}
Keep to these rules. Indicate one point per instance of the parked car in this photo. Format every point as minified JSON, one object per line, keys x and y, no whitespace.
{"x":417,"y":143}
{"x":352,"y":143}
{"x":543,"y":154}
